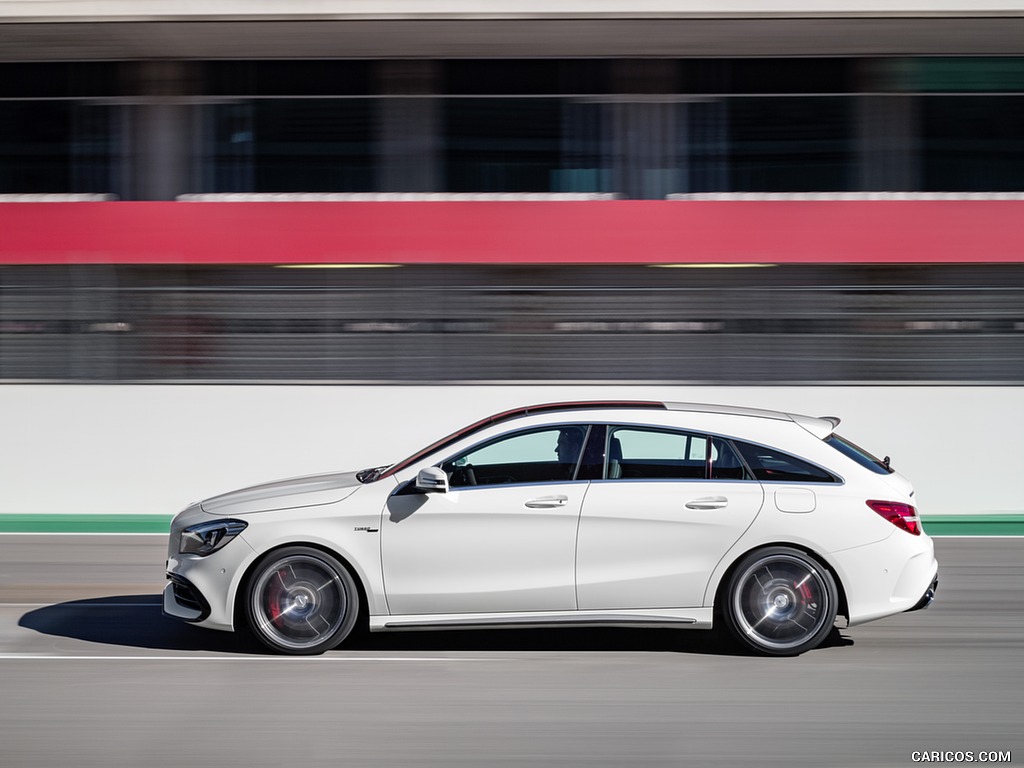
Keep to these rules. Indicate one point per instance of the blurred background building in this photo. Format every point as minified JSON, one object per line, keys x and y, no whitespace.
{"x":153,"y":153}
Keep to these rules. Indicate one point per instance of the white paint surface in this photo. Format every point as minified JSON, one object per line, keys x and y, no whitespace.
{"x":153,"y":449}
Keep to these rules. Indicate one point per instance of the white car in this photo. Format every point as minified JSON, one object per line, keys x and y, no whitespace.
{"x":600,"y":513}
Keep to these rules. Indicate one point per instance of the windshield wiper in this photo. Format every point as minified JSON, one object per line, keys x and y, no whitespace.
{"x":370,"y":475}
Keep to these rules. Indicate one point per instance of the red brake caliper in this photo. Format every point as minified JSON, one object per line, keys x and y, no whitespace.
{"x":274,"y":592}
{"x":805,"y":592}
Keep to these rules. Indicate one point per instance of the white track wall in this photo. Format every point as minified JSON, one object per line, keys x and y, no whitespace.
{"x":154,"y":449}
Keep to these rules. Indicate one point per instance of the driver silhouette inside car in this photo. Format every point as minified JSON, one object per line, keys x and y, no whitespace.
{"x":567,"y":449}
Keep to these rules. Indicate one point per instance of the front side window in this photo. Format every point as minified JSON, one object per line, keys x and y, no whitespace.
{"x":546,"y":455}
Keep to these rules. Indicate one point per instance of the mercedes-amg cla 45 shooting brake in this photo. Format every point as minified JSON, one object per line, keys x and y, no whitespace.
{"x":595,"y":514}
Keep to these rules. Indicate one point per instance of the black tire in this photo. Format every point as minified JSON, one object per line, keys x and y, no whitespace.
{"x":780,"y":601}
{"x":301,"y":601}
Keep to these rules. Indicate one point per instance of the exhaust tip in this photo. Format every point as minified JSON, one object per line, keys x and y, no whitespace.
{"x":928,"y":597}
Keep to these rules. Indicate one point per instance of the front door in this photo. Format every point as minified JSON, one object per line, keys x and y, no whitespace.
{"x":503,"y":539}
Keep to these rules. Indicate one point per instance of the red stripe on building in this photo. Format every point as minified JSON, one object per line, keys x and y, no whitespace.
{"x":516,"y":232}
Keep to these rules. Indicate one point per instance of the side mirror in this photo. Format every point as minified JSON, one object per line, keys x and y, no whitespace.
{"x":431,"y":480}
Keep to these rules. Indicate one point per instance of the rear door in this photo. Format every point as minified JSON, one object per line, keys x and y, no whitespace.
{"x":670,"y":506}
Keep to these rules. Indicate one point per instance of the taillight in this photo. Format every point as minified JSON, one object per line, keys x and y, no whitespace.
{"x":901,"y":515}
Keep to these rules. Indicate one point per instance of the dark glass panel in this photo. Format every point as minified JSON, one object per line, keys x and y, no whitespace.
{"x":769,"y":76}
{"x":56,"y":147}
{"x":790,"y":144}
{"x":532,"y":76}
{"x":60,"y":79}
{"x":288,"y":78}
{"x":502,"y":145}
{"x":973,"y":143}
{"x":293,"y":145}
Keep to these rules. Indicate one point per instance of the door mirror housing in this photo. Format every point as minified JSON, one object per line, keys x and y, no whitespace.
{"x":431,"y":480}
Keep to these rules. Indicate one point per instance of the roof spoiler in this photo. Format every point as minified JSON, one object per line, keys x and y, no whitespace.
{"x":819,"y":426}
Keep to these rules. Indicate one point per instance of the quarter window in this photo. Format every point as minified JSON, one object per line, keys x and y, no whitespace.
{"x":772,"y":465}
{"x":859,"y":455}
{"x":536,"y":456}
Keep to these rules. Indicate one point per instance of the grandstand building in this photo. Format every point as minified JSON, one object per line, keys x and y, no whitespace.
{"x":556,"y":189}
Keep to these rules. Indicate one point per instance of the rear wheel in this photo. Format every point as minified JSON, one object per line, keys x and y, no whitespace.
{"x":780,"y":602}
{"x":301,"y":601}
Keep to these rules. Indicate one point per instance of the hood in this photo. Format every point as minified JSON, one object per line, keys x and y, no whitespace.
{"x":308,"y":491}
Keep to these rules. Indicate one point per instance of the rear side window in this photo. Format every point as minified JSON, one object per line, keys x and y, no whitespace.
{"x":775,"y":466}
{"x":859,"y":455}
{"x":647,"y":454}
{"x":651,"y":454}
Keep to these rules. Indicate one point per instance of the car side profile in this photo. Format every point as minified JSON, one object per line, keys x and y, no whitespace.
{"x":614,"y":513}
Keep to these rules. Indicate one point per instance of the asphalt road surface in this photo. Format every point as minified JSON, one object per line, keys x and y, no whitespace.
{"x":91,"y":674}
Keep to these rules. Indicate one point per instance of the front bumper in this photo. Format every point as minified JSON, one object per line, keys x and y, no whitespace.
{"x":201,"y":590}
{"x":183,"y":601}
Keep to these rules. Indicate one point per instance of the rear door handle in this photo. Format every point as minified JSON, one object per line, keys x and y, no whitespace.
{"x":708,"y":502}
{"x":547,"y":502}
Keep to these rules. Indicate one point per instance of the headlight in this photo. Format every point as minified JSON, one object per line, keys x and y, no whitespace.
{"x":205,"y":538}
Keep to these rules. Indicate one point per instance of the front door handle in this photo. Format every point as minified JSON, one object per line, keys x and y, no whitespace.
{"x":547,"y":502}
{"x":708,"y":502}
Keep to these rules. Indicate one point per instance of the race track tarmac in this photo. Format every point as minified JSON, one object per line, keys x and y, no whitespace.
{"x":92,"y":674}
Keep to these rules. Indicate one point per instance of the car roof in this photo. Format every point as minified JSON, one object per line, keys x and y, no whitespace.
{"x":819,"y":426}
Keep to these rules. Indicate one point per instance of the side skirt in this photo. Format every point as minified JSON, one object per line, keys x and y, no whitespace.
{"x":671,"y":618}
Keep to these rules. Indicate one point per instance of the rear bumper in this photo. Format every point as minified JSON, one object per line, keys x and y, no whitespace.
{"x":888,"y":577}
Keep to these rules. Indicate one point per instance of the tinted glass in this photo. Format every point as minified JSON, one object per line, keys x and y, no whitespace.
{"x":725,"y":462}
{"x":772,"y":465}
{"x":531,"y":76}
{"x":973,"y":144}
{"x":58,"y":147}
{"x":61,"y":79}
{"x":858,"y":454}
{"x":784,"y":144}
{"x":288,"y":78}
{"x":502,"y":145}
{"x":291,"y":145}
{"x":767,"y":75}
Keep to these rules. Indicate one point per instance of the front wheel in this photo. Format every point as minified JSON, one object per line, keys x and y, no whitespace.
{"x":780,"y":602}
{"x":301,"y":601}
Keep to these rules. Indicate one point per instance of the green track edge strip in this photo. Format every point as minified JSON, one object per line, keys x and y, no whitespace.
{"x":84,"y":523}
{"x":935,"y":525}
